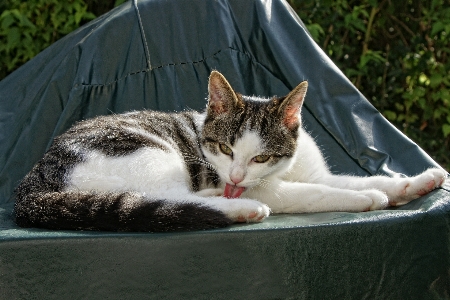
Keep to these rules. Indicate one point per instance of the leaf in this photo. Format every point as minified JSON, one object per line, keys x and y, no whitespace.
{"x":353,"y":72}
{"x":411,"y":118}
{"x":446,"y":129}
{"x":390,"y":115}
{"x":423,"y":78}
{"x":13,"y":37}
{"x":315,"y":30}
{"x":78,"y":16}
{"x":369,"y":56}
{"x":437,"y":114}
{"x":445,"y":94}
{"x":437,"y":27}
{"x":7,"y":19}
{"x":26,"y":22}
{"x":89,"y":16}
{"x":363,"y":61}
{"x":435,"y":80}
{"x":422,"y":103}
{"x":399,"y":106}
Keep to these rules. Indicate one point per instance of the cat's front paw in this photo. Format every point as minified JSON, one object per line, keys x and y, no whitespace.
{"x":379,"y":199}
{"x":408,"y":189}
{"x":246,"y":210}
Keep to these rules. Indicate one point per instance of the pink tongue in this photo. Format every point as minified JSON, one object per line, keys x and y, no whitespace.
{"x":233,"y":191}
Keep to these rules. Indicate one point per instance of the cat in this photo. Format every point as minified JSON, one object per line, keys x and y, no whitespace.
{"x":238,"y":161}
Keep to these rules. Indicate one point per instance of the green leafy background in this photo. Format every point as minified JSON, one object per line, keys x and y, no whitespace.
{"x":395,"y":52}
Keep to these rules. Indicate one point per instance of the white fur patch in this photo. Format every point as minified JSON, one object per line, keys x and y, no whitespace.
{"x":149,"y":171}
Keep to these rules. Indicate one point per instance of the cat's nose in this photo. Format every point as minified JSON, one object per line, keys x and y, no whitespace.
{"x":236,"y":179}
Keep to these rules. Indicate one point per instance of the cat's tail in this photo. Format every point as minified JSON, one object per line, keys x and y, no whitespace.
{"x":113,"y":212}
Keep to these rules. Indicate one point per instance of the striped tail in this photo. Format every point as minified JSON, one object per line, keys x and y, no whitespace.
{"x":113,"y":212}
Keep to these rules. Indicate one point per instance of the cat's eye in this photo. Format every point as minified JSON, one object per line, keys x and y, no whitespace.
{"x":225,"y":149}
{"x":261,"y":158}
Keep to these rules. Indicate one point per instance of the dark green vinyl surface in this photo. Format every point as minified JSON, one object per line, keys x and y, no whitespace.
{"x":158,"y":55}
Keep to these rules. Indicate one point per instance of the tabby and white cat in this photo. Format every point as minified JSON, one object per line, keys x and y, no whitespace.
{"x":241,"y":159}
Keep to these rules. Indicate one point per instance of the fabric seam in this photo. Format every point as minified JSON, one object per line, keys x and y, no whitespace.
{"x":168,"y":65}
{"x":144,"y":40}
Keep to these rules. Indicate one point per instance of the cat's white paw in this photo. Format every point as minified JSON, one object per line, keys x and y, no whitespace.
{"x":244,"y":210}
{"x":378,"y":200}
{"x":408,"y":189}
{"x":365,"y":200}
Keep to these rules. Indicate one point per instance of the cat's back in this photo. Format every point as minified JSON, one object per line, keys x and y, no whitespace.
{"x":122,"y":134}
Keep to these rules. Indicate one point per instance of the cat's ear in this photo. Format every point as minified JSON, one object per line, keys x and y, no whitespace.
{"x":292,"y":105}
{"x":222,"y":97}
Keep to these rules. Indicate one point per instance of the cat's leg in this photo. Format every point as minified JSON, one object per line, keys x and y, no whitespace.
{"x":399,"y":190}
{"x":310,"y":167}
{"x":237,"y":210}
{"x":241,"y":210}
{"x":296,"y":197}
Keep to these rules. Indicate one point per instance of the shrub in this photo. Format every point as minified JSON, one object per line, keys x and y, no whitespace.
{"x":397,"y":54}
{"x":26,"y":28}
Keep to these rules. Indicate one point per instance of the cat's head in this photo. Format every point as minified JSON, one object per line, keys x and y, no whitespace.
{"x":247,"y":138}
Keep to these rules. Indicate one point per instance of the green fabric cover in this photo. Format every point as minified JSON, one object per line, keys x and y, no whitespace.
{"x":157,"y":54}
